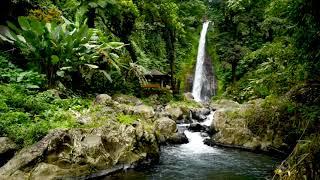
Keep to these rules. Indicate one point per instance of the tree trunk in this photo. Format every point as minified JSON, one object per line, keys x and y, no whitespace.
{"x":130,"y":49}
{"x":234,"y":69}
{"x":91,"y":17}
{"x":170,"y":46}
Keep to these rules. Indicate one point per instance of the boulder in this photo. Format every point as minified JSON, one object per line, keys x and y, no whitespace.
{"x":144,"y":110}
{"x":233,"y":132}
{"x":82,"y":152}
{"x":196,"y":127}
{"x":224,"y":104}
{"x":7,"y":149}
{"x":178,"y":138}
{"x":175,"y":113}
{"x":165,"y":128}
{"x":6,"y":145}
{"x":127,"y":99}
{"x":200,"y":114}
{"x":188,"y":96}
{"x":103,"y":99}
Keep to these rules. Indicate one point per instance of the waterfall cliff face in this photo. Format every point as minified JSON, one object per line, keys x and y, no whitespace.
{"x":203,"y":82}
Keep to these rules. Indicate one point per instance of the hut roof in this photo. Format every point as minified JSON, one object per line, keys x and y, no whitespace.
{"x":155,"y":72}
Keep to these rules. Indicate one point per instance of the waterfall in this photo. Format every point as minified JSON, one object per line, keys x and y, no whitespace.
{"x":199,"y":75}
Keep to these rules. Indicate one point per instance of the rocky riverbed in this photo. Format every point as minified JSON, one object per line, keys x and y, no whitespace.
{"x":105,"y":145}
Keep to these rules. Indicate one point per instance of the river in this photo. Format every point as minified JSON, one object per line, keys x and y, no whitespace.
{"x":195,"y":160}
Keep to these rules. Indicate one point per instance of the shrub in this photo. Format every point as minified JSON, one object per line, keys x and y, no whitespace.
{"x":127,"y":119}
{"x":58,"y":47}
{"x":10,"y":73}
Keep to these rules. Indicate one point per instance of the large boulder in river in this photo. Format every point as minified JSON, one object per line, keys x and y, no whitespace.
{"x":196,"y":127}
{"x":200,"y":114}
{"x":178,"y":138}
{"x":165,"y":128}
{"x":7,"y":149}
{"x":82,"y":152}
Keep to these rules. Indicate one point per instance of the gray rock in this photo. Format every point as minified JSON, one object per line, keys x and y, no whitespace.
{"x":196,"y":127}
{"x":178,"y":138}
{"x":76,"y":152}
{"x":188,"y":96}
{"x":200,"y":114}
{"x":174,"y":113}
{"x":7,"y":149}
{"x":165,"y":128}
{"x":144,"y":110}
{"x":84,"y":119}
{"x":203,"y":134}
{"x":103,"y":99}
{"x":127,"y":99}
{"x":6,"y":145}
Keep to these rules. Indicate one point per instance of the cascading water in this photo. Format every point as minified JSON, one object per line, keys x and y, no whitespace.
{"x":199,"y":75}
{"x":195,"y":160}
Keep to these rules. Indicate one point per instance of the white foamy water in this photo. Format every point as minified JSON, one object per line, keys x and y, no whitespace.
{"x":198,"y":77}
{"x":209,"y":119}
{"x":196,"y":145}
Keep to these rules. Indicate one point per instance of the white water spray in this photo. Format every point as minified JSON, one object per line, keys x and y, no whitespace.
{"x":198,"y":78}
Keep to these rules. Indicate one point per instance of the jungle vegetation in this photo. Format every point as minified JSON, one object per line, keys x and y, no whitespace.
{"x":261,"y":49}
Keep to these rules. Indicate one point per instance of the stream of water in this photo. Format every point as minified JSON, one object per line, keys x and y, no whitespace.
{"x":195,"y":160}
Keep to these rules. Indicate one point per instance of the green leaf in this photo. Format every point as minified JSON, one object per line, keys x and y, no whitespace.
{"x":21,"y":76}
{"x":6,"y":39}
{"x":13,"y":27}
{"x":65,"y":68}
{"x":60,"y":73}
{"x":54,"y":59}
{"x":37,"y":27}
{"x":106,"y":75}
{"x":49,"y":27}
{"x":114,"y":56}
{"x":31,"y":86}
{"x":24,"y":23}
{"x":92,"y":66}
{"x":116,"y":45}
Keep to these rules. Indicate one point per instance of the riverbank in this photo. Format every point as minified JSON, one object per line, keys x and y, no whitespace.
{"x":113,"y":133}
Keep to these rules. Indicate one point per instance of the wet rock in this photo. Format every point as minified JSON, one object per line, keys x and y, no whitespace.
{"x":203,"y":134}
{"x":178,"y":138}
{"x":200,"y":114}
{"x":103,"y":99}
{"x":196,"y":127}
{"x":47,"y":171}
{"x":165,"y":128}
{"x":7,"y":149}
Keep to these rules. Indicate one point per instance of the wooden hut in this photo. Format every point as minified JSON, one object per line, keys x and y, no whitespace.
{"x":157,"y":80}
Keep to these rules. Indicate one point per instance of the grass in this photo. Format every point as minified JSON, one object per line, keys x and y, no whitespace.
{"x":27,"y":116}
{"x":127,"y":119}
